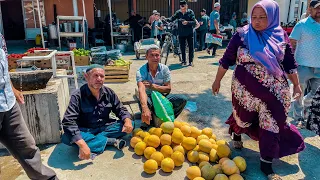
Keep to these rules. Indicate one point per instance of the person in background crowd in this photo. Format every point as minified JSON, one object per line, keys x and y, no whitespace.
{"x":157,"y":28}
{"x":14,"y":133}
{"x":195,"y":42}
{"x":135,"y":25}
{"x":154,"y":76}
{"x":186,"y":22}
{"x":233,"y":22}
{"x":87,"y":123}
{"x":244,"y":21}
{"x":305,"y":40}
{"x":214,"y":27}
{"x":152,"y":17}
{"x":261,"y":95}
{"x":204,"y":25}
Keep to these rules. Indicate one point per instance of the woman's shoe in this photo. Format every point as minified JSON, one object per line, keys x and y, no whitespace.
{"x":236,"y":141}
{"x":274,"y":177}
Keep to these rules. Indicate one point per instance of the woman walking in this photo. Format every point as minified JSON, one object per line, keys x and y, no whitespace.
{"x":260,"y":92}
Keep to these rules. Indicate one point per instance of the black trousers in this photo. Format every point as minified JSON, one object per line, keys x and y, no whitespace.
{"x":212,"y":46}
{"x":182,"y":42}
{"x":203,"y":39}
{"x":15,"y":136}
{"x":137,"y":34}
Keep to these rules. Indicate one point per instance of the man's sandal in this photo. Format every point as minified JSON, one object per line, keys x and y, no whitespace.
{"x":120,"y":144}
{"x":274,"y":177}
{"x":237,"y":144}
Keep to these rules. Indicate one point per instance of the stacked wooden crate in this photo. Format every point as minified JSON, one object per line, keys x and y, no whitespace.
{"x":116,"y":74}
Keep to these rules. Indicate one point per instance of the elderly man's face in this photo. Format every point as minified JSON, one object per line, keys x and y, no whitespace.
{"x":95,"y":78}
{"x":153,"y":56}
{"x":315,"y":12}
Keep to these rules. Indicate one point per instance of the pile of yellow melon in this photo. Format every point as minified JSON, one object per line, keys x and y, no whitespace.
{"x":167,"y":147}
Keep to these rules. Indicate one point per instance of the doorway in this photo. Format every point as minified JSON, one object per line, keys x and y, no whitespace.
{"x":12,"y":18}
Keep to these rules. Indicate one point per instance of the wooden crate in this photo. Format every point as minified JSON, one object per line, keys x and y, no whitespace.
{"x":116,"y":74}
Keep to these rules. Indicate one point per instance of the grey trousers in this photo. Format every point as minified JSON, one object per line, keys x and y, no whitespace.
{"x":15,"y":136}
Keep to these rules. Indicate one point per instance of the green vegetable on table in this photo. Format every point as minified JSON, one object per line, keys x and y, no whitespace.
{"x":81,"y":52}
{"x":121,"y":62}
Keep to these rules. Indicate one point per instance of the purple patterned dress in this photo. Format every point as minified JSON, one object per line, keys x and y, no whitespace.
{"x":261,"y":101}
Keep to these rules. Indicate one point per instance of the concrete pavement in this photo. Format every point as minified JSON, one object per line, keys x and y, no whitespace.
{"x":195,"y":83}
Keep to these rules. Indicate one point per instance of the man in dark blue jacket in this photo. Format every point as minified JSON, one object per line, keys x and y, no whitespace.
{"x":186,"y":22}
{"x":87,"y":123}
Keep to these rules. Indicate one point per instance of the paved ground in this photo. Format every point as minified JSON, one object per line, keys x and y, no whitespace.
{"x":195,"y":83}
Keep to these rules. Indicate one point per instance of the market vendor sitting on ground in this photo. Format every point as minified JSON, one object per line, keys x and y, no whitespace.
{"x":154,"y":76}
{"x":87,"y":123}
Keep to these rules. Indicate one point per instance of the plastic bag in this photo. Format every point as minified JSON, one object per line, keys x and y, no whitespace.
{"x":162,"y":107}
{"x":213,"y":38}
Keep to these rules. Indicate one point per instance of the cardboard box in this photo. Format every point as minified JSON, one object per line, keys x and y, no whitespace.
{"x":72,"y":46}
{"x":82,"y":60}
{"x":63,"y":62}
{"x":12,"y":63}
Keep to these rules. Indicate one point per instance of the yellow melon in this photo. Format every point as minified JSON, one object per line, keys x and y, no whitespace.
{"x":221,"y":177}
{"x":177,"y":137}
{"x":196,"y":148}
{"x":238,"y":171}
{"x":186,"y":130}
{"x":215,"y":146}
{"x":220,"y":142}
{"x":223,"y":151}
{"x":167,"y":165}
{"x":178,"y":158}
{"x":193,"y":172}
{"x":150,"y":166}
{"x":203,"y":163}
{"x":167,"y":127}
{"x":193,"y":156}
{"x":241,"y":163}
{"x":144,"y":134}
{"x":151,"y":130}
{"x":176,"y":129}
{"x":146,"y":139}
{"x":222,"y":160}
{"x":134,"y":141}
{"x":229,"y":167}
{"x":212,"y":141}
{"x":165,"y":139}
{"x":189,"y":143}
{"x":217,"y":168}
{"x":207,"y":132}
{"x":157,"y":156}
{"x":153,"y":141}
{"x":140,"y":147}
{"x":202,"y":137}
{"x":158,"y":132}
{"x":205,"y":145}
{"x":179,"y":148}
{"x":203,"y":157}
{"x":177,"y":124}
{"x":166,"y":150}
{"x":195,"y":132}
{"x":236,"y":177}
{"x":207,"y":172}
{"x":185,"y":124}
{"x":148,"y":152}
{"x":135,"y":131}
{"x":199,"y":178}
{"x":214,"y":137}
{"x":213,"y":155}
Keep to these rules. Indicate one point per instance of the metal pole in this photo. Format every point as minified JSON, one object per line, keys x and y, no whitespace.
{"x":111,"y":28}
{"x":75,"y":13}
{"x":40,"y":23}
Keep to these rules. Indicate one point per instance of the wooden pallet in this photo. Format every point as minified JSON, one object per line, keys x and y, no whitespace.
{"x":116,"y":74}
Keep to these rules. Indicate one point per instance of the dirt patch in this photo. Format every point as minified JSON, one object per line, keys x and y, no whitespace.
{"x":10,"y":168}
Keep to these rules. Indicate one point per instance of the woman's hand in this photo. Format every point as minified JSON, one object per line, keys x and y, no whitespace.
{"x":215,"y":87}
{"x":297,"y":92}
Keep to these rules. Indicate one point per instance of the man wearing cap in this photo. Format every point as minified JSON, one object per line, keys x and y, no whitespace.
{"x":305,"y":39}
{"x":186,"y":23}
{"x":204,"y":25}
{"x":153,"y":16}
{"x":87,"y":123}
{"x":214,"y":27}
{"x":154,"y":76}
